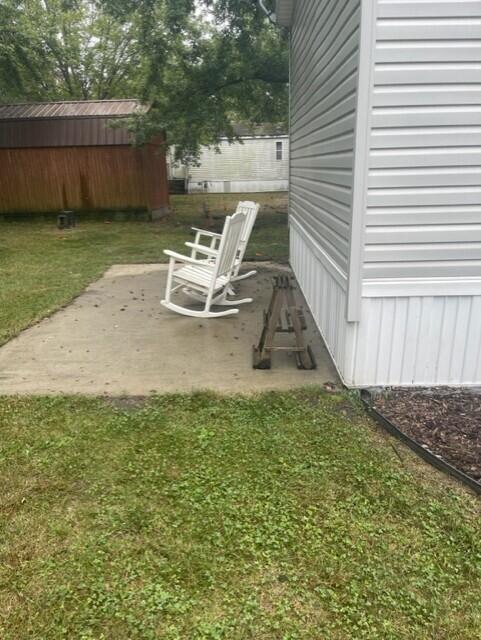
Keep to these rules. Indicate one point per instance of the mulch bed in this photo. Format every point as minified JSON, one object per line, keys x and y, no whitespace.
{"x":447,"y":422}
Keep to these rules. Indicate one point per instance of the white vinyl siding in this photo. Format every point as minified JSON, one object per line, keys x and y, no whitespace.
{"x":254,"y":161}
{"x":418,"y":340}
{"x":325,"y":293}
{"x":324,"y":59}
{"x":424,"y":199}
{"x":398,"y":235}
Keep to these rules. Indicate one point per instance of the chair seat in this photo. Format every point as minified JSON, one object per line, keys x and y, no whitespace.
{"x":200,"y":275}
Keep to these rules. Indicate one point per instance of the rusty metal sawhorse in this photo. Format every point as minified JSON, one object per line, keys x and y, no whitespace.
{"x":295,"y":322}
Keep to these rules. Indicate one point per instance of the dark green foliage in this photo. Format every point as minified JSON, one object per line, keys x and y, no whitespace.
{"x":200,"y":65}
{"x":65,"y":50}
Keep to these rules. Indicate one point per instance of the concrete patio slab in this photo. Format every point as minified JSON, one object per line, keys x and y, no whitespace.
{"x":115,"y":338}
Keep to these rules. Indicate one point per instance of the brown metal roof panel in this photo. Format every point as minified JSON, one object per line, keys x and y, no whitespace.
{"x":52,"y":111}
{"x":119,"y":109}
{"x":31,"y":111}
{"x":41,"y":111}
{"x":80,"y":110}
{"x":8,"y":110}
{"x":72,"y":109}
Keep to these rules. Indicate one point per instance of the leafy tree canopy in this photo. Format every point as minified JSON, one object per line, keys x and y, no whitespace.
{"x":201,"y":64}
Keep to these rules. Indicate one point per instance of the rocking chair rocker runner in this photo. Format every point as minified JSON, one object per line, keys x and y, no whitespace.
{"x":251,"y":209}
{"x":208,"y":279}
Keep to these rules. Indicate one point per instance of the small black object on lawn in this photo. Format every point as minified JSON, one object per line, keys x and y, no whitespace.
{"x":295,"y":322}
{"x":66,"y":219}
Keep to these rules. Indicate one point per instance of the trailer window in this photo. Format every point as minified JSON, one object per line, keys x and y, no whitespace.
{"x":278,"y":150}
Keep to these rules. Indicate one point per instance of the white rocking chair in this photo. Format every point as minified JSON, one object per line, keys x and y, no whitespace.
{"x":207,"y":280}
{"x":251,"y":209}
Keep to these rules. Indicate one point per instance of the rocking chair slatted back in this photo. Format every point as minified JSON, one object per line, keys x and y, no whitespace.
{"x":251,"y":210}
{"x":229,"y":244}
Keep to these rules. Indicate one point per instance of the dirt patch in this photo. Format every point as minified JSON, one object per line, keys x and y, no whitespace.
{"x":447,"y":422}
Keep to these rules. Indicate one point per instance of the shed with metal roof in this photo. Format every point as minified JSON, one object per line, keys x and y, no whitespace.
{"x":77,"y":155}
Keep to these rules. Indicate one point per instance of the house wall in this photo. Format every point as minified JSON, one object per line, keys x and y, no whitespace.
{"x":104,"y":177}
{"x":424,"y":187}
{"x":324,"y":288}
{"x":324,"y":73}
{"x":249,"y":166}
{"x":324,"y":60}
{"x":421,"y":295}
{"x":418,"y":340}
{"x":417,"y":224}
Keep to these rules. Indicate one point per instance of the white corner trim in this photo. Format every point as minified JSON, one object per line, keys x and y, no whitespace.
{"x":326,"y":261}
{"x":365,"y":88}
{"x":420,"y":287}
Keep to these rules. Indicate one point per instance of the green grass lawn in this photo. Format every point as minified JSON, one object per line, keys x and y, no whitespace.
{"x":277,"y":517}
{"x":197,"y":517}
{"x":42,"y":268}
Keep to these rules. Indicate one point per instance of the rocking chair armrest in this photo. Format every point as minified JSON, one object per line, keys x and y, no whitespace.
{"x":203,"y":232}
{"x":179,"y":257}
{"x":200,"y":248}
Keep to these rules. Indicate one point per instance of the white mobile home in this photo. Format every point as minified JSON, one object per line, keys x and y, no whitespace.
{"x":385,"y":184}
{"x":259,"y":162}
